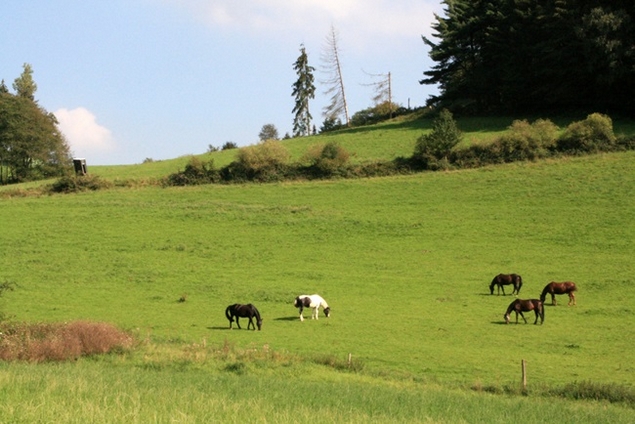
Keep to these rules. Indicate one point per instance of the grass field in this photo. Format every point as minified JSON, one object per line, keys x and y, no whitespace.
{"x":405,"y":263}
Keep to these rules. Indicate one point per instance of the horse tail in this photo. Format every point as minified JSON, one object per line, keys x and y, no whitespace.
{"x":227,"y":313}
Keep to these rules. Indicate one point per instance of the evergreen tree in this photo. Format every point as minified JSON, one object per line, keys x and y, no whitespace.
{"x":303,"y":90}
{"x":24,"y":85}
{"x":525,"y":56}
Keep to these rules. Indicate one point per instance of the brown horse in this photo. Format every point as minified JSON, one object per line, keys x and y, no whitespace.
{"x":502,"y":280}
{"x":554,"y":288}
{"x":519,"y":306}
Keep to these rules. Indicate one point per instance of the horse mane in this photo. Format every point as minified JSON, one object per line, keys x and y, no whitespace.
{"x":543,"y":295}
{"x":227,"y":314}
{"x":493,"y":283}
{"x":255,"y":310}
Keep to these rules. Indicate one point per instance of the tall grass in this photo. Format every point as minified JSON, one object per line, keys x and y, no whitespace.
{"x":189,"y":389}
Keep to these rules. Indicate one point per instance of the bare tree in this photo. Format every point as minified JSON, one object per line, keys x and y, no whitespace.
{"x":335,"y":83}
{"x":383,"y":91}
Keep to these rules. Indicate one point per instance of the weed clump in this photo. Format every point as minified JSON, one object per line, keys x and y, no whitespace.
{"x":79,"y":183}
{"x":43,"y":342}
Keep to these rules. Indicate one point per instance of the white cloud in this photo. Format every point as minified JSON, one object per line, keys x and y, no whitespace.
{"x":361,"y":21}
{"x":84,"y":135}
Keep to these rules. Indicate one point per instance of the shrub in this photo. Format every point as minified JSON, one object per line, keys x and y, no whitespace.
{"x":594,"y":134}
{"x":59,"y":342}
{"x":327,"y":160}
{"x":78,"y":183}
{"x":526,"y":141}
{"x":266,"y":161}
{"x":432,"y":150}
{"x":196,"y":172}
{"x":229,"y":145}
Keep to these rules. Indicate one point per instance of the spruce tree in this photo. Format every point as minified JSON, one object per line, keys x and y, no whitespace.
{"x":303,"y":90}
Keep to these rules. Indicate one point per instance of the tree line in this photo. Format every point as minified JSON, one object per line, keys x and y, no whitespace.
{"x":525,"y":56}
{"x":31,"y":145}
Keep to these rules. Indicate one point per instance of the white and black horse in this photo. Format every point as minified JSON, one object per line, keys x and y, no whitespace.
{"x":314,"y":302}
{"x":246,"y":311}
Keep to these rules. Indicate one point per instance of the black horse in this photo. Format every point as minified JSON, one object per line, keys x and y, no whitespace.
{"x":502,"y":280}
{"x":245,"y":311}
{"x":519,"y":306}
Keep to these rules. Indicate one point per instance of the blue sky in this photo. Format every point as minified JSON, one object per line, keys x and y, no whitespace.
{"x":136,"y":79}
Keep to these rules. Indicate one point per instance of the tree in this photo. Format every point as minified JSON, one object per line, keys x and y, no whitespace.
{"x":303,"y":90}
{"x":268,"y":132}
{"x":527,"y":57}
{"x":24,"y":85}
{"x":335,"y":82}
{"x":31,"y":144}
{"x":433,"y":148}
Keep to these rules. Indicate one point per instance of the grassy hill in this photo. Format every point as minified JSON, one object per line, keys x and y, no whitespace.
{"x":405,"y":263}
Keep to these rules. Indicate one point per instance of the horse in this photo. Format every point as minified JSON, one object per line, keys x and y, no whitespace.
{"x":502,"y":280}
{"x":246,"y":311}
{"x":519,"y":306}
{"x":553,"y":288}
{"x":313,"y":301}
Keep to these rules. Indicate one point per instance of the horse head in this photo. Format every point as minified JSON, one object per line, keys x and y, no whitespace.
{"x":327,"y":311}
{"x":507,"y":318}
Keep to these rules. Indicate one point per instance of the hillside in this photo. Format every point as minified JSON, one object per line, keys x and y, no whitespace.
{"x":383,"y":141}
{"x":405,"y":263}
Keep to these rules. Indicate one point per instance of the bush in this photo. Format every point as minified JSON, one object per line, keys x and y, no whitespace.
{"x":59,"y":342}
{"x":196,"y":172}
{"x":432,"y":150}
{"x":594,"y":134}
{"x":526,"y":141}
{"x":266,"y":161}
{"x":327,"y":160}
{"x":78,"y":183}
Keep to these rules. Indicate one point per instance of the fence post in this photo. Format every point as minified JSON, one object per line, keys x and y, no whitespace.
{"x":524,"y":371}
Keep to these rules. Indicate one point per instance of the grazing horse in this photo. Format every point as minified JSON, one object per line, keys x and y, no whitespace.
{"x":502,"y":280}
{"x":246,"y":311}
{"x":313,"y":301}
{"x":553,"y":288}
{"x":519,"y":306}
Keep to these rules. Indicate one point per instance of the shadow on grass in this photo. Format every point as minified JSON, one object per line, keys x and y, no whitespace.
{"x":293,"y":318}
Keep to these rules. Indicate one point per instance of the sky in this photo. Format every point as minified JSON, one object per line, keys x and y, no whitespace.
{"x":130,"y":80}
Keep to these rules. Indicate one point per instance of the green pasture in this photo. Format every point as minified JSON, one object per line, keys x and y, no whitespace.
{"x":405,"y":263}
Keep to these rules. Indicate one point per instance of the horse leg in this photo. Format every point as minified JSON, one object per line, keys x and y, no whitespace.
{"x":571,"y":298}
{"x":238,"y":322}
{"x":521,"y":314}
{"x":251,"y":323}
{"x":553,"y":299}
{"x":315,"y":313}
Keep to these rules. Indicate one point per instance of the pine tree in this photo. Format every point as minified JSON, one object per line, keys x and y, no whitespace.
{"x":303,"y":90}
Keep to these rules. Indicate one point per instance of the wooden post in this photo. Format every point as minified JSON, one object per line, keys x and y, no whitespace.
{"x":524,"y":370}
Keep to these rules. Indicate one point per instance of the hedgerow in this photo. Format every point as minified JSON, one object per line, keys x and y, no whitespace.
{"x":437,"y":150}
